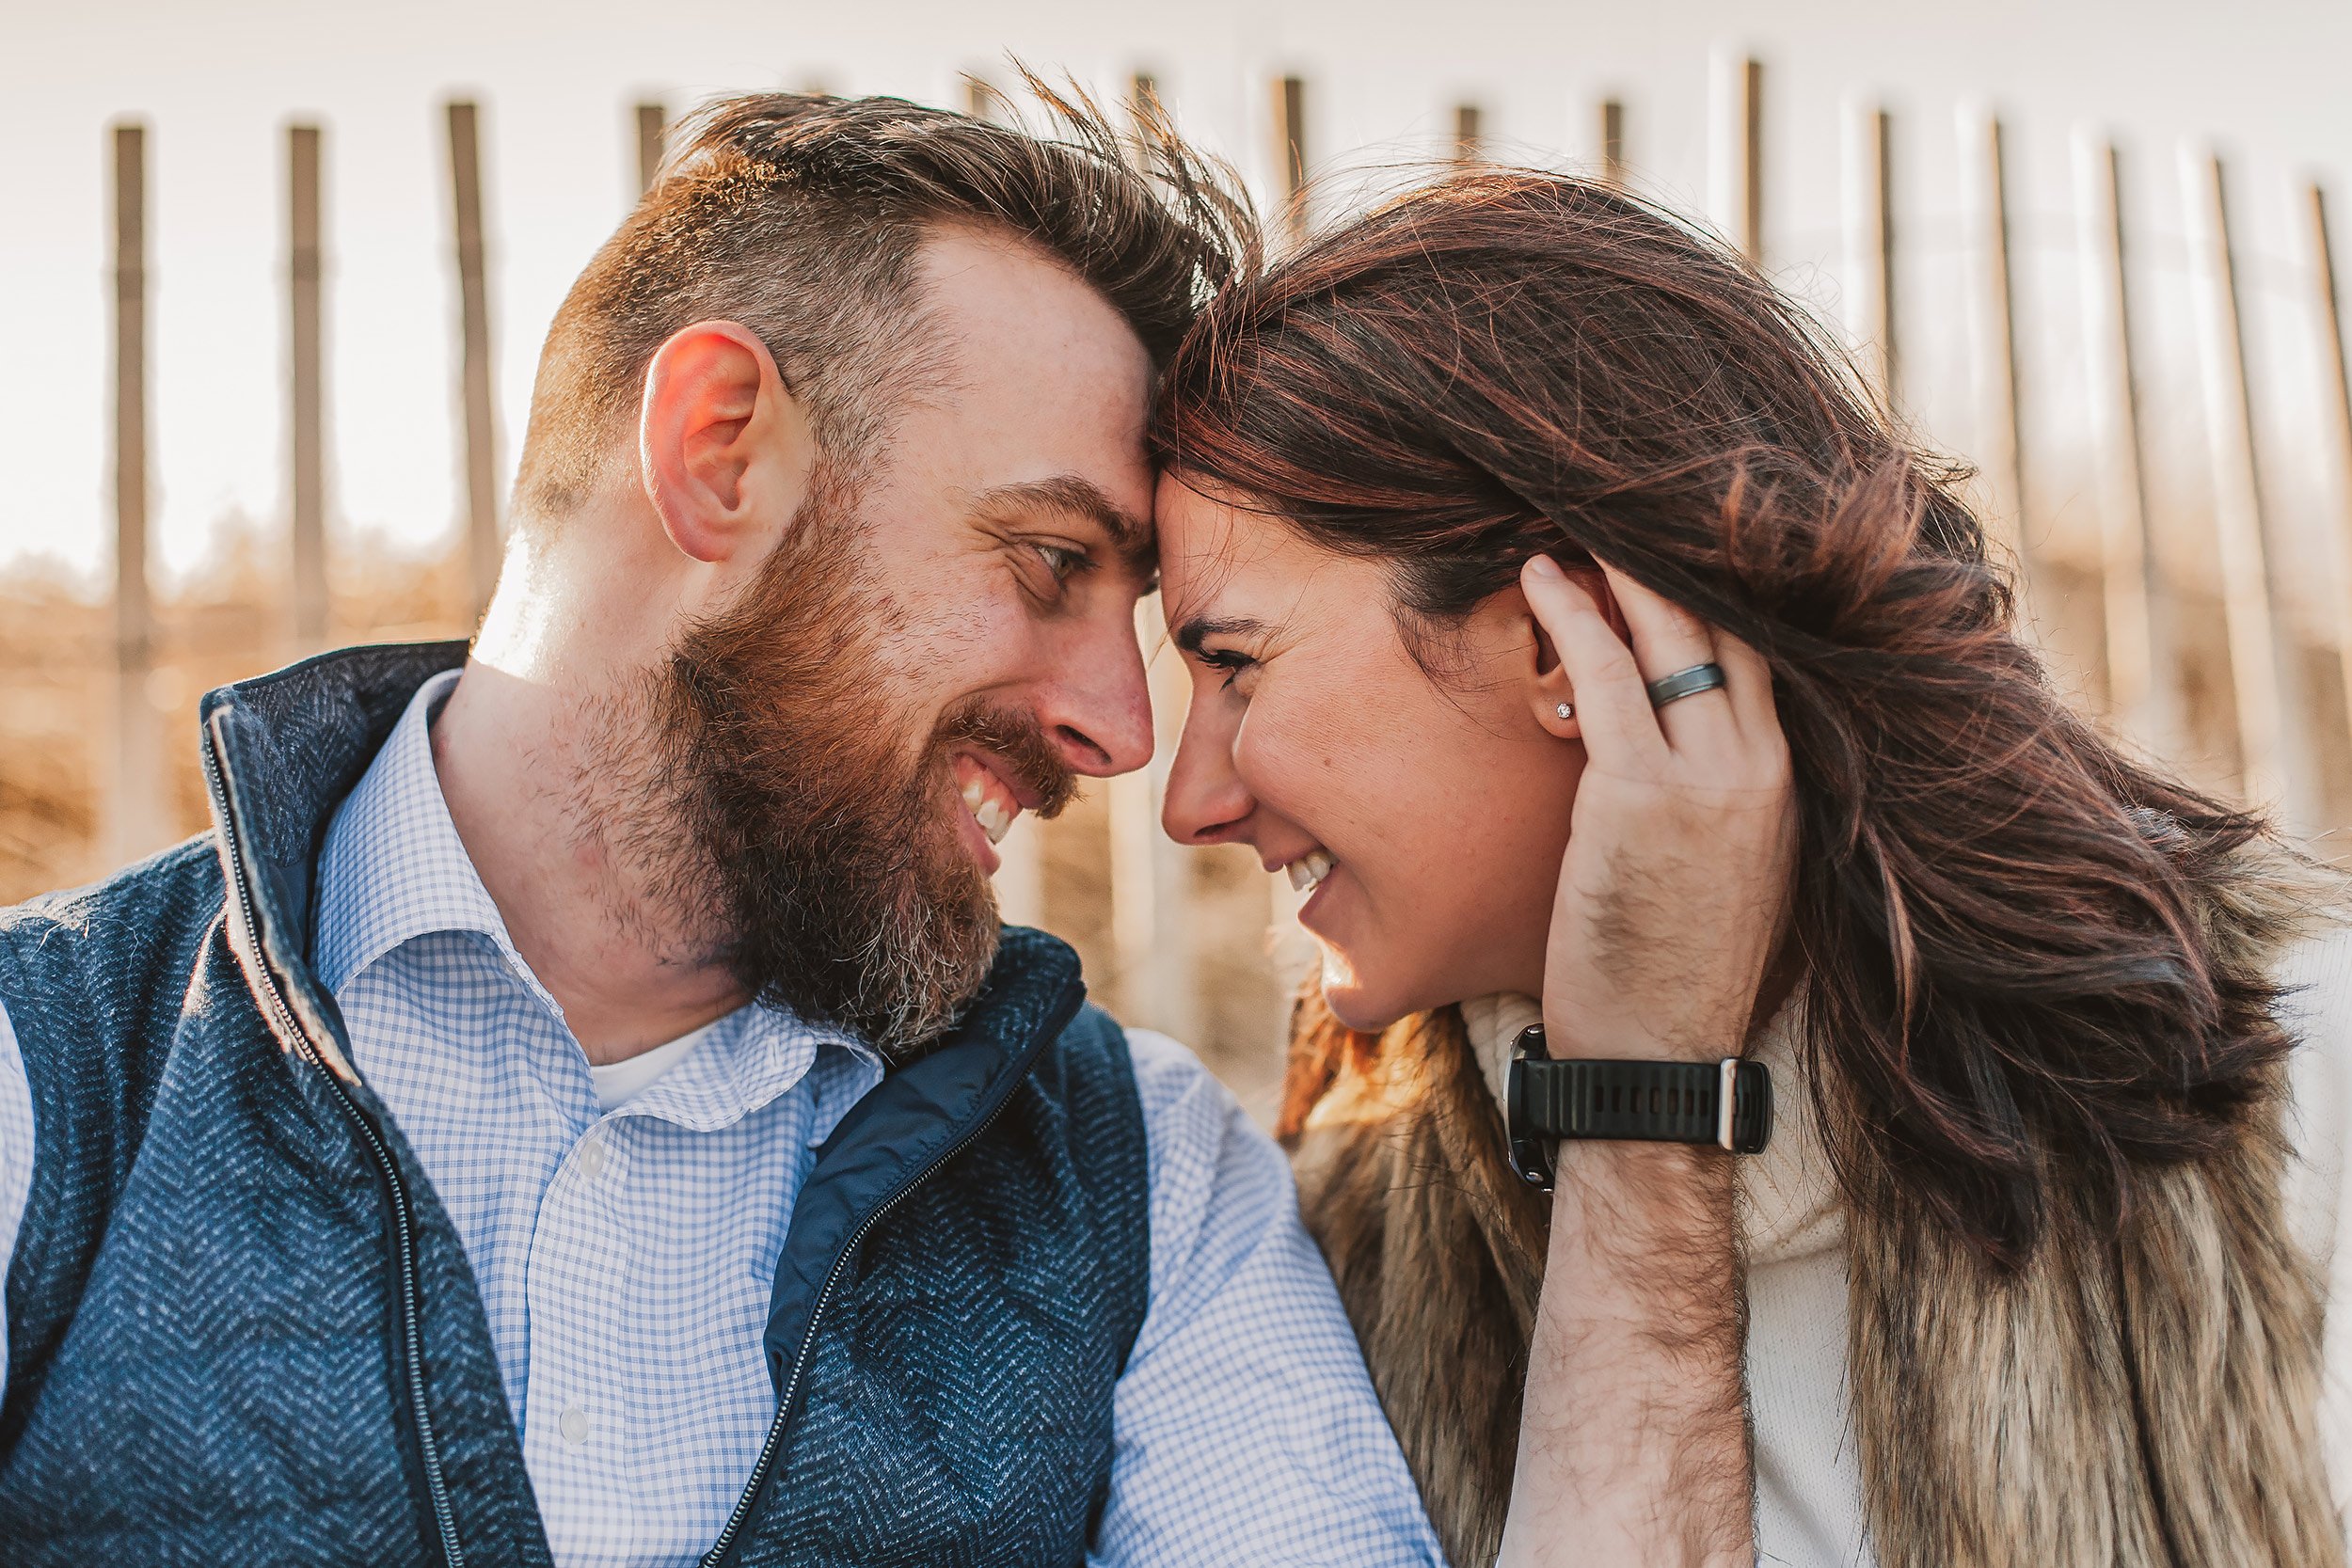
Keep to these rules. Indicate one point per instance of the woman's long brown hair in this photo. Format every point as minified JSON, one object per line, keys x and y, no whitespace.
{"x":2007,"y":926}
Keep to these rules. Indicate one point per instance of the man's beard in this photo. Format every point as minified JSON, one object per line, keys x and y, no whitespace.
{"x":813,"y":845}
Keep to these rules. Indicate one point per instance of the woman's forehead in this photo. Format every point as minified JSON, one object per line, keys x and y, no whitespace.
{"x":1212,"y":550}
{"x":1233,"y":568}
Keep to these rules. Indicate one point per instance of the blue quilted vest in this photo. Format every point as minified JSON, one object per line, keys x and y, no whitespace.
{"x":242,"y":1328}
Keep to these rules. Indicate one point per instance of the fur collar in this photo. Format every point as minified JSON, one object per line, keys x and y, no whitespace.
{"x":2144,"y":1395}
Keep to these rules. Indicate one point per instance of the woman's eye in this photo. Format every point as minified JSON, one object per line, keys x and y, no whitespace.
{"x":1230,"y":662}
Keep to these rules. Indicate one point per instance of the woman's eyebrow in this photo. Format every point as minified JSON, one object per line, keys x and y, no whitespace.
{"x":1200,"y":628}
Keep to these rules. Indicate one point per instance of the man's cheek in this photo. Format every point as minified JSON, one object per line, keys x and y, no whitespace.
{"x":966,"y":649}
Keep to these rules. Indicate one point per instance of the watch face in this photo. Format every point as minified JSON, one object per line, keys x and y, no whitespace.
{"x":1532,"y":1151}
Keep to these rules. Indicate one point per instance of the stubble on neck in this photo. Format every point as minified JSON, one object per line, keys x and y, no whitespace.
{"x":539,"y":782}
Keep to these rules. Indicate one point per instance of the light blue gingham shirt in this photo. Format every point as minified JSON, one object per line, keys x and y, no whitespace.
{"x":625,"y":1257}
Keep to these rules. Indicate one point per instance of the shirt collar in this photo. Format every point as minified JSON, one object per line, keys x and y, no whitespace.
{"x":746,"y":1059}
{"x":394,"y":868}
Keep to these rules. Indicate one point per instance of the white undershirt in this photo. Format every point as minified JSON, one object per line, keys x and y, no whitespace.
{"x":1808,"y":1479}
{"x":618,"y":1082}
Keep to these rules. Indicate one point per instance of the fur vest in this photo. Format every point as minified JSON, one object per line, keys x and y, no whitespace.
{"x":2144,"y":1395}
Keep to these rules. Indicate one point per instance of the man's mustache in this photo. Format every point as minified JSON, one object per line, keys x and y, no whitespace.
{"x":1033,"y":763}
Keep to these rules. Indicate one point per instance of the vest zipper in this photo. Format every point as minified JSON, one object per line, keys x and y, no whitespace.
{"x":721,"y":1548}
{"x":404,"y":1239}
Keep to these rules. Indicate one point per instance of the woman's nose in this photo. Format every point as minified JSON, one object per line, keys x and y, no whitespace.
{"x":1206,"y":801}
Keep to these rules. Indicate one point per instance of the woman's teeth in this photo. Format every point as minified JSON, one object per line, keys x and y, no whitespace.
{"x":994,"y":818}
{"x":1308,"y":870}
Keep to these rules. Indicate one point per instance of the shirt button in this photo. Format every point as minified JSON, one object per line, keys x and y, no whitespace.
{"x":592,"y":1156}
{"x":575,"y":1425}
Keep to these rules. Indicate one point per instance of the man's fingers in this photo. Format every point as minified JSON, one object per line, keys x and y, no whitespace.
{"x":1612,"y":705}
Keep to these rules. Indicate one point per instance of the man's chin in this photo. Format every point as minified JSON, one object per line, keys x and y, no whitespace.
{"x":894,"y":966}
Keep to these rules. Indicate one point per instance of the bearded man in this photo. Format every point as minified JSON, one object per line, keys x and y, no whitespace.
{"x":576,"y":1102}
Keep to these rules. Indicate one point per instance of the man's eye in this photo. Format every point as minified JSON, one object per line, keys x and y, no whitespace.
{"x":1061,"y":562}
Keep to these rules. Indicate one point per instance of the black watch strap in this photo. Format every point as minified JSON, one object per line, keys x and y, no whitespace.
{"x":1681,"y":1102}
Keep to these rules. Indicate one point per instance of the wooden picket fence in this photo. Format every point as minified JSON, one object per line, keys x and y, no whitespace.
{"x":1189,"y":941}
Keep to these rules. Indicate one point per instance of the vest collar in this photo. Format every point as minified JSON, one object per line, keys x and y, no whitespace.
{"x":281,"y":750}
{"x":912,"y":1124}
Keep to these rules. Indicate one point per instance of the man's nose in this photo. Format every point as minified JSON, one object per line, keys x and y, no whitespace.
{"x":1099,"y":711}
{"x":1207,"y":802}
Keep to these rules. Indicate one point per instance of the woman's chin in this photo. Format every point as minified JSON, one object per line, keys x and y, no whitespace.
{"x":1361,"y":1006}
{"x":1368,"y":996}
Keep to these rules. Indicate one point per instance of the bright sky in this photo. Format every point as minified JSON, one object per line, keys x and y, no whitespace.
{"x":217,"y":82}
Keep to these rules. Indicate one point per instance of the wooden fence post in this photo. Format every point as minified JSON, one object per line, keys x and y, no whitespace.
{"x":1144,"y":107}
{"x":1612,"y":142}
{"x":2138,"y":664}
{"x":1150,"y":873}
{"x":1467,"y":139}
{"x":1999,"y":433}
{"x":139,"y":817}
{"x":650,"y":126}
{"x":1870,"y":244}
{"x":2336,"y":396}
{"x":482,"y":509}
{"x":1021,"y":873}
{"x":2259,"y":676}
{"x":1736,"y":183}
{"x":1290,"y":952}
{"x":1290,"y":147}
{"x":304,"y":274}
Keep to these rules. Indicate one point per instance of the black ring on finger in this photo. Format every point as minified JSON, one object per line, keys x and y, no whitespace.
{"x":1685,"y":683}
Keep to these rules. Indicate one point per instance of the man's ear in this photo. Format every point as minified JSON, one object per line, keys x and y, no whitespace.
{"x":1543,"y":676}
{"x":723,"y":447}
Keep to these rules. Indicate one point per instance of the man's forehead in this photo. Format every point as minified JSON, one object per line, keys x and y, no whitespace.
{"x":1007,"y":293}
{"x":1043,"y":388}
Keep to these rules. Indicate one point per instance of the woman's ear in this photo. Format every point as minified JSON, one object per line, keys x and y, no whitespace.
{"x":725,"y":448}
{"x":1545,"y":680}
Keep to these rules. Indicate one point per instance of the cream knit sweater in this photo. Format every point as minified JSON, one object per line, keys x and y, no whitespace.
{"x":1808,"y":1487}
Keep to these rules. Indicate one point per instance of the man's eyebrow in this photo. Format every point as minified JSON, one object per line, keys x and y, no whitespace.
{"x":1076,"y":497}
{"x":1201,"y":628}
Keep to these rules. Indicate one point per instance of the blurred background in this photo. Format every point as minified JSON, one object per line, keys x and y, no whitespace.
{"x":272,"y":278}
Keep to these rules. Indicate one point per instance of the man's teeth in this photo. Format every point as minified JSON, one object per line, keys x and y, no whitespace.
{"x":1308,"y":870}
{"x":994,"y":820}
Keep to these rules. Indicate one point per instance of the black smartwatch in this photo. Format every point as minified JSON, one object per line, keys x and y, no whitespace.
{"x":1728,"y":1103}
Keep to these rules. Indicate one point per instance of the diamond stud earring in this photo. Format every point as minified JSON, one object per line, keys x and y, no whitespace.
{"x":1566,"y":710}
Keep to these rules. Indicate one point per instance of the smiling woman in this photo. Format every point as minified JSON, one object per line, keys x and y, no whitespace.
{"x":1444,"y":494}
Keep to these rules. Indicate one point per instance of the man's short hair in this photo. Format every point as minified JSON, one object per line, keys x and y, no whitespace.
{"x":800,"y":216}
